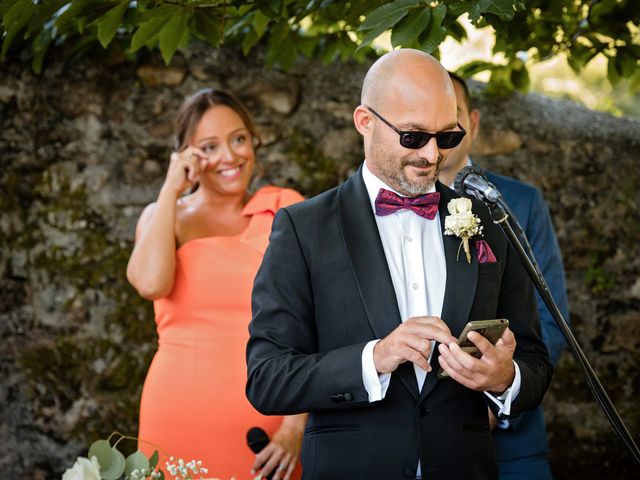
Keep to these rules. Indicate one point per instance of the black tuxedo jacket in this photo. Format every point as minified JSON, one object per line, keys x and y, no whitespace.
{"x":324,"y":290}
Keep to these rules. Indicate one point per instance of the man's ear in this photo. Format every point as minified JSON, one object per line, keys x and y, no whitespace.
{"x":362,"y":119}
{"x":474,"y":123}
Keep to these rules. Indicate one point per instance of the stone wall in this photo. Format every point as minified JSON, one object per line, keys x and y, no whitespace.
{"x":85,"y":146}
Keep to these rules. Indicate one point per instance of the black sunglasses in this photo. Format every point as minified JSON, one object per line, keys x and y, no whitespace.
{"x":418,"y":139}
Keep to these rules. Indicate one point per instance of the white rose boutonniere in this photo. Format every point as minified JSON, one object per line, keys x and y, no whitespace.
{"x":462,"y":223}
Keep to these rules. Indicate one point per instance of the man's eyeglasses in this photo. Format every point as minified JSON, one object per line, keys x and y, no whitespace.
{"x":418,"y":139}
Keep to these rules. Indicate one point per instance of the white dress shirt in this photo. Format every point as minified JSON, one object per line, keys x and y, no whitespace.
{"x":414,"y":252}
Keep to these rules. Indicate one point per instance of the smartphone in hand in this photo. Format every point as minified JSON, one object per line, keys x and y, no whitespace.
{"x":492,"y":330}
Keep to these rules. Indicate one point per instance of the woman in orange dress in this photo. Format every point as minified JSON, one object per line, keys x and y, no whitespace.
{"x":196,"y":257}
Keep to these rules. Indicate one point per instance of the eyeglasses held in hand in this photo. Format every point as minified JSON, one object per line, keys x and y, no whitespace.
{"x":416,"y":139}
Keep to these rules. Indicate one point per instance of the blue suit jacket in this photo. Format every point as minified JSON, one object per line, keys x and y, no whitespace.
{"x":526,"y":434}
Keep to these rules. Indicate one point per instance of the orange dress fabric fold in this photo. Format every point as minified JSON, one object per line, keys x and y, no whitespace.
{"x":193,"y":402}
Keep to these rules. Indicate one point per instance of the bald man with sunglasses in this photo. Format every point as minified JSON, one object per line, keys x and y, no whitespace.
{"x":360,"y":298}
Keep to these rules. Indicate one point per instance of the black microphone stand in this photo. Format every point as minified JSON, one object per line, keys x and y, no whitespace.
{"x":499,"y":211}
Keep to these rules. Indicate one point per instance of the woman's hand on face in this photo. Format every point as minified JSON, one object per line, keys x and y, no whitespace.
{"x":281,"y":455}
{"x":184,"y":169}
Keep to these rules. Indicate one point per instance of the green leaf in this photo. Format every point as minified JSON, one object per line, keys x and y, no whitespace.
{"x":307,"y":46}
{"x":208,"y":25}
{"x":458,"y":7}
{"x":456,"y":30}
{"x":387,"y":15}
{"x":108,"y":24}
{"x":39,"y":46}
{"x":44,"y":11}
{"x":270,"y":8}
{"x":260,"y":22}
{"x":436,"y":33}
{"x":504,"y":9}
{"x":80,"y":13}
{"x":101,"y":449}
{"x":471,"y":68}
{"x":612,"y":71}
{"x":153,"y":461}
{"x":136,"y":461}
{"x":15,"y":20}
{"x":149,"y":29}
{"x":249,"y":41}
{"x":330,"y":52}
{"x":172,"y":34}
{"x":626,"y":63}
{"x":409,"y":29}
{"x":6,"y":5}
{"x":116,"y":469}
{"x":500,"y":81}
{"x":372,"y":35}
{"x":520,"y":76}
{"x":600,"y":9}
{"x":579,"y":56}
{"x":278,"y":34}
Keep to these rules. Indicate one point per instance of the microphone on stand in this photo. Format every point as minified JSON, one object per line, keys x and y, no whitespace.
{"x":471,"y":181}
{"x":257,"y":439}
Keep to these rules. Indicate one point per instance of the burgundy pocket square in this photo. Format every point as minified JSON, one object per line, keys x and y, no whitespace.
{"x":485,"y":255}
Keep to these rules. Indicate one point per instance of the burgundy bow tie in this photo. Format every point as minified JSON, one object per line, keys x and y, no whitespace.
{"x":425,"y":205}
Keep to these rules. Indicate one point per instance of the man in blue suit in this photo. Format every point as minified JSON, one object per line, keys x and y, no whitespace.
{"x":521,"y":443}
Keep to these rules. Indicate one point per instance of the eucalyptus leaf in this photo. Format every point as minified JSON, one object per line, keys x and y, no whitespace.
{"x":101,"y":449}
{"x":136,"y":461}
{"x":116,"y":469}
{"x":153,"y":461}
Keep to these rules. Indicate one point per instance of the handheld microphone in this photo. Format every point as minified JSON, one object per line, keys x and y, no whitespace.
{"x":257,"y":439}
{"x":472,"y":182}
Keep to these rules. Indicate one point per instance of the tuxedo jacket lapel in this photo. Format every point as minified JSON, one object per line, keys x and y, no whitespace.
{"x":462,"y":278}
{"x":369,"y":265}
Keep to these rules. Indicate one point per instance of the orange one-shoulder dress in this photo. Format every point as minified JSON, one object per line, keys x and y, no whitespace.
{"x":193,"y":402}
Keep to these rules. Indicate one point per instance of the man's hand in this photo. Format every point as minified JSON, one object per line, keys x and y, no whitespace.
{"x":493,"y":372}
{"x":410,"y":342}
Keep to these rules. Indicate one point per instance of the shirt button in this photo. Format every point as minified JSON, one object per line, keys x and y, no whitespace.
{"x":408,"y":239}
{"x":415,"y":286}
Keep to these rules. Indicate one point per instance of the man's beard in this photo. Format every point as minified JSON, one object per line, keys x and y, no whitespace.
{"x":415,"y":187}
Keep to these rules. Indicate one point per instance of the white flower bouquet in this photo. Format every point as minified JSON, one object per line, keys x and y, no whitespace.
{"x":106,"y":462}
